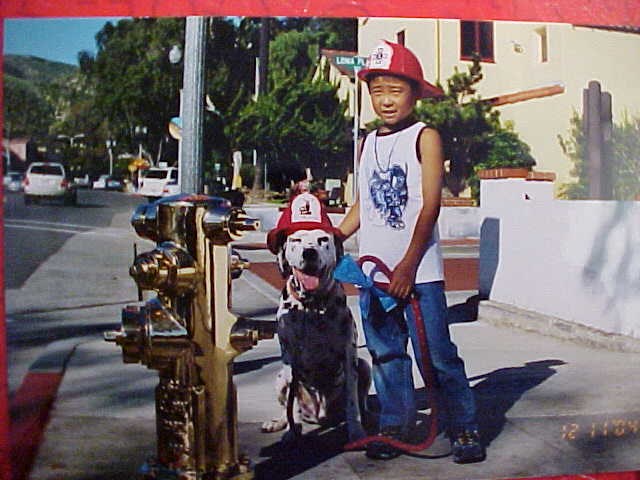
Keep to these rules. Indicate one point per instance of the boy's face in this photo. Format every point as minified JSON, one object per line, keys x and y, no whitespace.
{"x":392,"y":98}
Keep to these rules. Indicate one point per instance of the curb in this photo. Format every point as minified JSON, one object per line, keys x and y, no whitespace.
{"x":503,"y":315}
{"x":32,"y":403}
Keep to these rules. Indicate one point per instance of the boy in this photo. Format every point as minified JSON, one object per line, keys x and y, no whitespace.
{"x":400,"y":181}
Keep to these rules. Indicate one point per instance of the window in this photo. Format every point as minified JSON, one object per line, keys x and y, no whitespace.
{"x":158,"y":174}
{"x":476,"y":38}
{"x":543,"y":45}
{"x":47,"y":170}
{"x":400,"y":37}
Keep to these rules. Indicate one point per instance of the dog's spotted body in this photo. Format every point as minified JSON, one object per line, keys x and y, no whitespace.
{"x":317,"y":336}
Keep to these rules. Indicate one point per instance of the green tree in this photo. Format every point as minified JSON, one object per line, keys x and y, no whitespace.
{"x":336,"y":33}
{"x":472,"y":135}
{"x":135,"y":85}
{"x":293,"y":56}
{"x":624,"y":164}
{"x":297,"y":125}
{"x":625,"y":145}
{"x":27,"y":113}
{"x":77,"y":115}
{"x":130,"y":82}
{"x":574,"y":147}
{"x":504,"y":149}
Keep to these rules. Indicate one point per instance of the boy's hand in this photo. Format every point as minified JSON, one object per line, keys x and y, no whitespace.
{"x":404,"y":278}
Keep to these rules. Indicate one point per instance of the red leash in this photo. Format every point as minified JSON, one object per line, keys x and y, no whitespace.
{"x":426,"y":369}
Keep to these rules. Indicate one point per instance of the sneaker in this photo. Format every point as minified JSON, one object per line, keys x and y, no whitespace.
{"x":467,"y":448}
{"x":384,"y":451}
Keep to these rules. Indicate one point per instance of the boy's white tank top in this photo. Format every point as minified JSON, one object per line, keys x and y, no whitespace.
{"x":390,"y":189}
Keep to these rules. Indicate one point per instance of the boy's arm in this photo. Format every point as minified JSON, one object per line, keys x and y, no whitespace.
{"x":351,"y":221}
{"x":432,"y":171}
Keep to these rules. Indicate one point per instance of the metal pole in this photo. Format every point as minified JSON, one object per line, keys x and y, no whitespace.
{"x":110,"y":144}
{"x":263,"y":63}
{"x":356,"y":130}
{"x":192,"y":108}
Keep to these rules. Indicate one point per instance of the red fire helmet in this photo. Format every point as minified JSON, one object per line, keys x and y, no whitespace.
{"x":305,"y":212}
{"x":395,"y":59}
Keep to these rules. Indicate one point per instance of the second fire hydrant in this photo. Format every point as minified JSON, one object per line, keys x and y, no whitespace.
{"x":189,"y":335}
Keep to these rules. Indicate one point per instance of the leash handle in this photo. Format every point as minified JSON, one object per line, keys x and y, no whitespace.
{"x":427,"y":371}
{"x":378,"y":263}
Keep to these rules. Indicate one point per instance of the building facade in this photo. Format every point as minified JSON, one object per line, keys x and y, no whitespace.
{"x":519,"y":56}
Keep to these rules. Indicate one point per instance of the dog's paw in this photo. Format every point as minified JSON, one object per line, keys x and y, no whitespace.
{"x":274,"y":425}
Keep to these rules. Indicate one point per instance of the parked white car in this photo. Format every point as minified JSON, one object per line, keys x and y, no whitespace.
{"x":82,"y":182}
{"x":47,"y":180}
{"x":100,"y":183}
{"x":159,"y":182}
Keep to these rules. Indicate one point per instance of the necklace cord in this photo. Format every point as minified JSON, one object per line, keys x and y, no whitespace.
{"x":375,"y":152}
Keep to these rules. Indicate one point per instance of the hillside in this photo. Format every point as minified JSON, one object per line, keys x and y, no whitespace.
{"x":30,"y":85}
{"x":35,"y":69}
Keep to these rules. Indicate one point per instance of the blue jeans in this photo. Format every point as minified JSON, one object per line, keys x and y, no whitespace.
{"x":387,"y":334}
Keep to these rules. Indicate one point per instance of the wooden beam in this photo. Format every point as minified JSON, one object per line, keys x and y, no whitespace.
{"x":524,"y":95}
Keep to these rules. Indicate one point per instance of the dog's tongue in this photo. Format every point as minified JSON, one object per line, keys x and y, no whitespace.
{"x":308,"y":282}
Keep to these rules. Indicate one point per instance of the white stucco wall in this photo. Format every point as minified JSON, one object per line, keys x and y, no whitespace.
{"x":575,"y":260}
{"x":453,"y":223}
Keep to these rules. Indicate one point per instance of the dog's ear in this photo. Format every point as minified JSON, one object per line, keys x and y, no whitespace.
{"x":283,"y":264}
{"x":337,"y":241}
{"x":275,"y":240}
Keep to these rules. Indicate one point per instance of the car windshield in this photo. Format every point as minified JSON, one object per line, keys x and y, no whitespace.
{"x":46,"y":170}
{"x":156,"y":174}
{"x":15,"y":176}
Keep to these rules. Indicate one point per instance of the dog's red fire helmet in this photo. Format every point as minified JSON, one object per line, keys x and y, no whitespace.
{"x":395,"y":59}
{"x":305,"y":212}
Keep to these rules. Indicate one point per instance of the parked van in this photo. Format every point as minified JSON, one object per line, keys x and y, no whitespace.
{"x":47,"y":180}
{"x":159,"y":182}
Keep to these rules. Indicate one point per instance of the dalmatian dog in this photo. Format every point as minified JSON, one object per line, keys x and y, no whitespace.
{"x":322,"y":381}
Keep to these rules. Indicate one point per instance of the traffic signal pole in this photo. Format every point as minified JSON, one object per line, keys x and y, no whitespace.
{"x":191,"y":173}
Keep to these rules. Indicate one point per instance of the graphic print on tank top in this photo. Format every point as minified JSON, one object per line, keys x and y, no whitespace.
{"x":389,"y":194}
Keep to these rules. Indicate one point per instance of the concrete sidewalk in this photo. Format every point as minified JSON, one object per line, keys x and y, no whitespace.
{"x":547,"y":407}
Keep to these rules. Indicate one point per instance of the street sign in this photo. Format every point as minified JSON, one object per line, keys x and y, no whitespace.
{"x":352,"y":62}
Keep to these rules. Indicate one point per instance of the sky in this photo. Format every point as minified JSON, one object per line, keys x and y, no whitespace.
{"x":58,"y":39}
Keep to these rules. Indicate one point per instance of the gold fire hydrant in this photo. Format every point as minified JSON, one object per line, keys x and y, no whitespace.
{"x":189,"y":335}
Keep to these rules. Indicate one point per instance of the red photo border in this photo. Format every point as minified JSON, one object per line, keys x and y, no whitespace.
{"x":593,"y":12}
{"x":623,"y":13}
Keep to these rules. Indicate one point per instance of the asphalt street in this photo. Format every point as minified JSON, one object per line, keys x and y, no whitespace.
{"x":61,"y":301}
